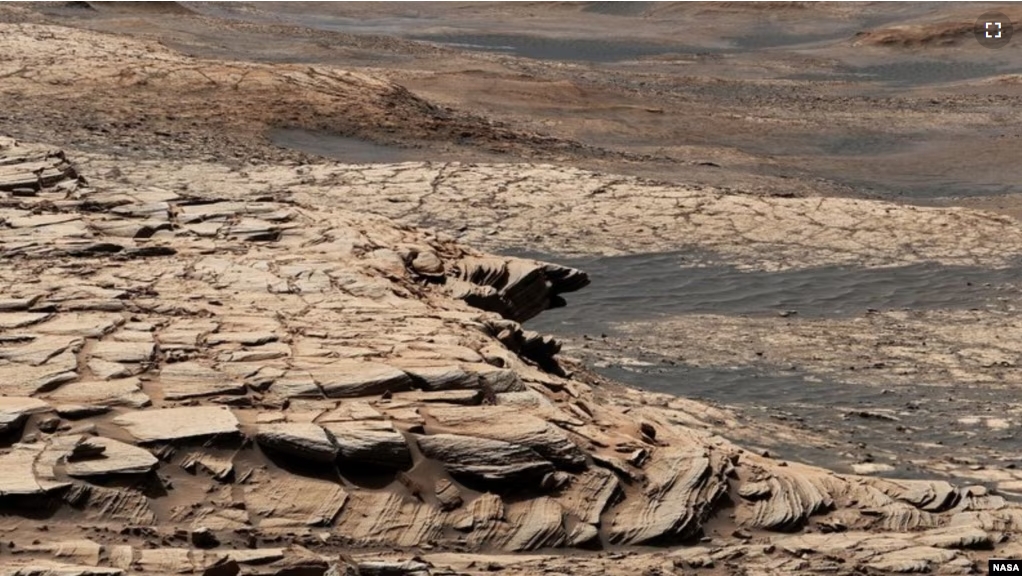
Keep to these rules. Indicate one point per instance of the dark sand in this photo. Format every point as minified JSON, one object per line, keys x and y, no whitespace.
{"x":648,"y":286}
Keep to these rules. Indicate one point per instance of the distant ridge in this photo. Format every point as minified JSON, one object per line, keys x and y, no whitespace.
{"x":138,"y":7}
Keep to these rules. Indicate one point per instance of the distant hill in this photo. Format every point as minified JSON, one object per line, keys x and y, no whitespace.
{"x":138,"y":7}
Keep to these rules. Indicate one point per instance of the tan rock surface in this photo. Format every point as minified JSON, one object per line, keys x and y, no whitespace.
{"x":99,"y":456}
{"x":186,"y":280}
{"x":14,"y":410}
{"x":119,"y":392}
{"x":552,"y":209}
{"x":178,"y":423}
{"x":545,"y":208}
{"x":298,"y":439}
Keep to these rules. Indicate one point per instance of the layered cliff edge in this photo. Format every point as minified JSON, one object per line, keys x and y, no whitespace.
{"x":231,"y":381}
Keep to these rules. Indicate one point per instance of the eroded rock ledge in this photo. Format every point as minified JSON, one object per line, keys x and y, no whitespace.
{"x":185,"y":377}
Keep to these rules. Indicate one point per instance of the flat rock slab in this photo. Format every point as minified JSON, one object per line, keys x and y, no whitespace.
{"x":86,"y":325}
{"x":348,"y":378}
{"x":295,"y":501}
{"x":441,"y":377}
{"x":165,"y":561}
{"x":395,"y":567}
{"x":18,"y":474}
{"x":460,"y":397}
{"x":366,"y":443}
{"x":510,"y":424}
{"x":85,"y":552}
{"x":24,"y":303}
{"x":352,"y":410}
{"x":15,"y":320}
{"x":106,"y":370}
{"x":47,"y":568}
{"x":115,"y":458}
{"x":485,"y":459}
{"x":24,"y":380}
{"x":183,"y":380}
{"x":300,"y":439}
{"x":296,"y":384}
{"x":178,"y":423}
{"x":14,"y":410}
{"x":39,"y":349}
{"x":123,"y":392}
{"x":131,"y":352}
{"x":246,"y":338}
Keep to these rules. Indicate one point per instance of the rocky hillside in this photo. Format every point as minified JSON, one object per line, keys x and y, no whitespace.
{"x":112,"y":91}
{"x":228,"y":380}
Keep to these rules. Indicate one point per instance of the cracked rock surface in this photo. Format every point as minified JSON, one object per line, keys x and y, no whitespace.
{"x":571,"y":211}
{"x":205,"y":370}
{"x":309,"y":387}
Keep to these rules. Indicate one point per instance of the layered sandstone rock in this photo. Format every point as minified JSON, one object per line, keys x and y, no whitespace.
{"x":315,"y":388}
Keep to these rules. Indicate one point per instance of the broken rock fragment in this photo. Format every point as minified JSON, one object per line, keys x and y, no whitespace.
{"x":427,"y":263}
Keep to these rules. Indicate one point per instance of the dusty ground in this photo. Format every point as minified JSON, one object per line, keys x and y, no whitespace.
{"x":220,"y":355}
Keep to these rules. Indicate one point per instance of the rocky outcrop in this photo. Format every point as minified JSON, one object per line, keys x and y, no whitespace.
{"x":681,"y":489}
{"x":516,"y":288}
{"x":319,"y":388}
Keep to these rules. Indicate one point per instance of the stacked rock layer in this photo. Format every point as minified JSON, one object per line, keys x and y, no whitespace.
{"x":246,"y":384}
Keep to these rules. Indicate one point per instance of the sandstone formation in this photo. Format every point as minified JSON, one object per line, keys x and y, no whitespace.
{"x":573,"y":211}
{"x":239,"y":99}
{"x":563,"y":209}
{"x":307,"y":384}
{"x":213,"y":367}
